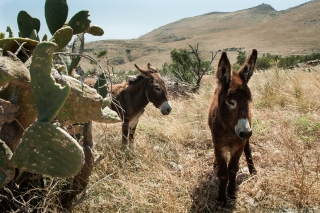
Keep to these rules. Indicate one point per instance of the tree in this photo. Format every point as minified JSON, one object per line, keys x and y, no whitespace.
{"x":188,"y":66}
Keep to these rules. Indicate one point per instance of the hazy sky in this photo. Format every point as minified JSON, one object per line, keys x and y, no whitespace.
{"x":128,"y":19}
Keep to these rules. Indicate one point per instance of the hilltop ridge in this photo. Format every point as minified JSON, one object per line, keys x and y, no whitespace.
{"x":292,"y":31}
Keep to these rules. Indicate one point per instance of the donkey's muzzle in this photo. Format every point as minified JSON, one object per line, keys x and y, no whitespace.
{"x":245,"y":135}
{"x":243,"y":129}
{"x":165,"y":108}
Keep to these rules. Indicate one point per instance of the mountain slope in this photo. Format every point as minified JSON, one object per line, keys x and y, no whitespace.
{"x":292,"y":31}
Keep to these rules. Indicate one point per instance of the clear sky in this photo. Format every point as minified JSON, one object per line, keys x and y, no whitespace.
{"x":128,"y":19}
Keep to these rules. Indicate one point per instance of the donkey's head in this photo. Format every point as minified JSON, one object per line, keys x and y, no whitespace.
{"x":234,"y":95}
{"x":156,"y":90}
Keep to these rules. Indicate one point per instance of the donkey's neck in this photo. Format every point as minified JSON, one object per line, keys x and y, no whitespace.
{"x":137,"y":92}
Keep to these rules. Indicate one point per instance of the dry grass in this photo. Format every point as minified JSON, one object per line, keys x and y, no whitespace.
{"x":171,"y":167}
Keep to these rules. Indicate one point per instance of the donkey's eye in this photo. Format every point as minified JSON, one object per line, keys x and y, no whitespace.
{"x":231,"y":103}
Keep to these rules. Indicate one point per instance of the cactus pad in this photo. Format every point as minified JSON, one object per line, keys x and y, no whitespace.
{"x":6,"y":170}
{"x":11,"y":44}
{"x":95,"y":30}
{"x":10,"y":31}
{"x":27,"y":24}
{"x":45,"y":38}
{"x":101,"y":85}
{"x":56,"y":13}
{"x":83,"y":104}
{"x":13,"y":71}
{"x":62,"y":37}
{"x":49,"y":96}
{"x":48,"y":149}
{"x":34,"y":35}
{"x":74,"y":63}
{"x":80,"y":22}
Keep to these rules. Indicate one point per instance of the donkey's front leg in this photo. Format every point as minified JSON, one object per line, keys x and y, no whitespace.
{"x":125,"y":131}
{"x":222,"y":174}
{"x":247,"y":152}
{"x":233,"y":169}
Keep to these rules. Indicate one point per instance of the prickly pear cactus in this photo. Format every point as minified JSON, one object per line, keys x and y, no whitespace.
{"x":83,"y":104}
{"x":48,"y":149}
{"x":49,"y":96}
{"x":13,"y":71}
{"x":45,"y":38}
{"x":62,"y":37}
{"x":80,"y":22}
{"x":34,"y":35}
{"x":27,"y":24}
{"x":101,"y":85}
{"x":95,"y":30}
{"x":12,"y":45}
{"x":56,"y":13}
{"x":6,"y":170}
{"x":10,"y":31}
{"x":74,"y":63}
{"x":2,"y":35}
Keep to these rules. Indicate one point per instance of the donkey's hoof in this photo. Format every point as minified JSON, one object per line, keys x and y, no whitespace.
{"x":232,"y":196}
{"x":222,"y":201}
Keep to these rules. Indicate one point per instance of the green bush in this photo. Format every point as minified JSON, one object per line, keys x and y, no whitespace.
{"x":268,"y":60}
{"x":187,"y":66}
{"x":101,"y":53}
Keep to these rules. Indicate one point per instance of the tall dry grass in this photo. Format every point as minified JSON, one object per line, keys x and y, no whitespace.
{"x":171,"y":167}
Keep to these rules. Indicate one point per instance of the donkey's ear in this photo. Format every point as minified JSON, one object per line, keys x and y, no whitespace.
{"x":144,"y":72}
{"x":223,"y":73}
{"x":246,"y":71}
{"x":152,"y":69}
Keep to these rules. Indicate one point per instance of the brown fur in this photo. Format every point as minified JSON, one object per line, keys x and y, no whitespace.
{"x":231,"y":102}
{"x":131,"y":97}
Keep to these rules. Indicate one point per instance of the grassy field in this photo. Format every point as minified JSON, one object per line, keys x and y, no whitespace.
{"x":171,"y":166}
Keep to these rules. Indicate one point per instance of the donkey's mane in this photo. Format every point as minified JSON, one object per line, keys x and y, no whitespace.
{"x":136,"y":79}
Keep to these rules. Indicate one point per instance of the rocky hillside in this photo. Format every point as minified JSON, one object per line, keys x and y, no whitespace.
{"x":292,"y":31}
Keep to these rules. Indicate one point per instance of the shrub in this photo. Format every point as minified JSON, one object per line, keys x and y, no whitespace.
{"x":187,"y":66}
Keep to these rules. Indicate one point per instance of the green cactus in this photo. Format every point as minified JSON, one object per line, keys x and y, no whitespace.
{"x":49,"y":96}
{"x":13,"y":71}
{"x":74,"y":63}
{"x":101,"y":85}
{"x":45,"y":38}
{"x":56,"y":13}
{"x":106,"y":102}
{"x":83,"y":104}
{"x":48,"y":149}
{"x":95,"y":30}
{"x":27,"y":24}
{"x":12,"y":44}
{"x":34,"y":35}
{"x":6,"y":170}
{"x":80,"y":22}
{"x":62,"y":37}
{"x":10,"y":31}
{"x":2,"y":35}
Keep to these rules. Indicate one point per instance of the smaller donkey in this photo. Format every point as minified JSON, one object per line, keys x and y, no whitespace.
{"x":230,"y":120}
{"x":131,"y":97}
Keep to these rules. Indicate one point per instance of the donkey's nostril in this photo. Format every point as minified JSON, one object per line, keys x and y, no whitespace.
{"x":245,"y":135}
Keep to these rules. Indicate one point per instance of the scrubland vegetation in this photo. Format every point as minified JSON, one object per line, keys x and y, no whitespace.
{"x":171,"y":167}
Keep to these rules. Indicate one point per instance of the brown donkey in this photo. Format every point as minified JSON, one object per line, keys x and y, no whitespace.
{"x":230,"y":120}
{"x":132,"y":97}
